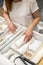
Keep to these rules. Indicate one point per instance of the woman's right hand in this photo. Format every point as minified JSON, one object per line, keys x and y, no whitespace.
{"x":12,"y":27}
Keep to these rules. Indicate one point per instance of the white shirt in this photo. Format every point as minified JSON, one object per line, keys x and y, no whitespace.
{"x":22,"y":11}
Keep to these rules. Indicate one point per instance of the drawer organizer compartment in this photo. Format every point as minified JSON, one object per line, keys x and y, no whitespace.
{"x":39,"y":29}
{"x":7,"y":36}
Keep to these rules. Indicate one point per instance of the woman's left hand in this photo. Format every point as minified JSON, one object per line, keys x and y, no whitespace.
{"x":28,"y":35}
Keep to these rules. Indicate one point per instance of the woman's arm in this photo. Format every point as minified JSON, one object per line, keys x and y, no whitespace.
{"x":11,"y":26}
{"x":36,"y":18}
{"x":30,"y":28}
{"x":6,"y":16}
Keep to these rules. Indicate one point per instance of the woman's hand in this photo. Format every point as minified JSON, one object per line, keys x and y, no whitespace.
{"x":12,"y":27}
{"x":28,"y":35}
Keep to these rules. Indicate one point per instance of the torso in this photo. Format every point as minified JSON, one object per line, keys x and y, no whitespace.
{"x":21,"y":13}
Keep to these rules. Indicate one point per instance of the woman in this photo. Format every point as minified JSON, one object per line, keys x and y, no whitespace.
{"x":24,"y":12}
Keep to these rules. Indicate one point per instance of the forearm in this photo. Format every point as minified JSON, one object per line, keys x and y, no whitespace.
{"x":34,"y":23}
{"x":6,"y":16}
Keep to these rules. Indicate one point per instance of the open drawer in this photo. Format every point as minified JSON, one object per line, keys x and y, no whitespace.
{"x":29,"y":49}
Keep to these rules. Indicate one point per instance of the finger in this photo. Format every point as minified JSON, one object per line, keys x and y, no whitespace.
{"x":9,"y":29}
{"x":24,"y":33}
{"x":15,"y":26}
{"x":26,"y":39}
{"x":13,"y":30}
{"x":29,"y":38}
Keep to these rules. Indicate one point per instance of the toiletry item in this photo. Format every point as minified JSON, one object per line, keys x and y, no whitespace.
{"x":24,"y":60}
{"x":4,"y":26}
{"x":13,"y":57}
{"x":23,"y":49}
{"x":41,"y":31}
{"x":1,"y":19}
{"x":35,"y":45}
{"x":16,"y":45}
{"x":1,"y":39}
{"x":27,"y":54}
{"x":20,"y":41}
{"x":1,"y":32}
{"x":38,"y":56}
{"x":18,"y":62}
{"x":5,"y":61}
{"x":8,"y":53}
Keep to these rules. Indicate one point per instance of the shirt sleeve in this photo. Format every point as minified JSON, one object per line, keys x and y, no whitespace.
{"x":34,"y":6}
{"x":4,"y":6}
